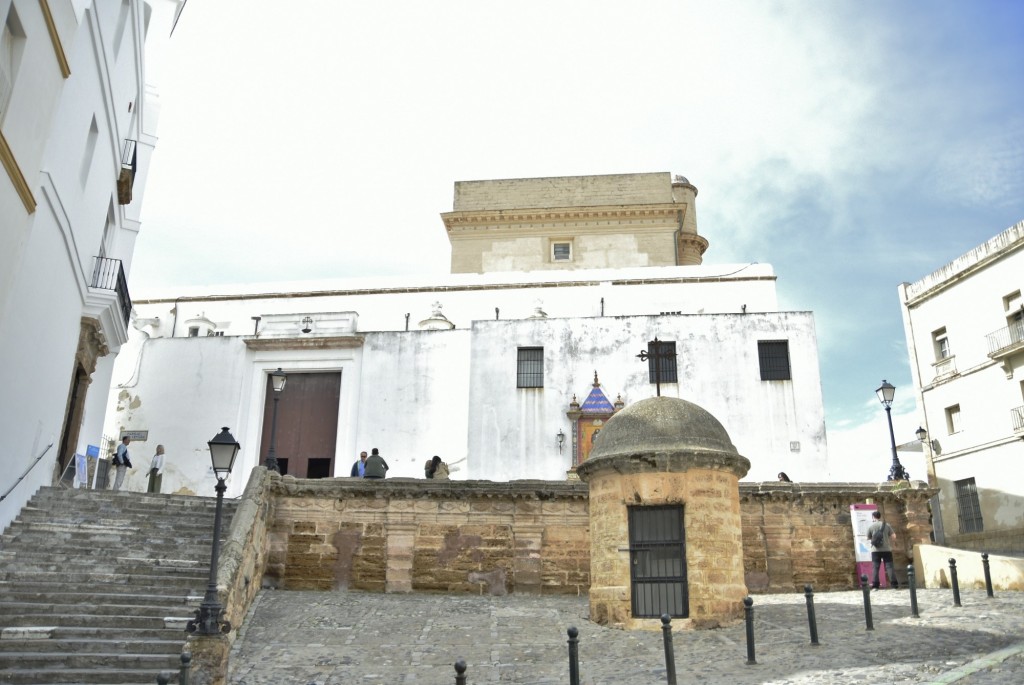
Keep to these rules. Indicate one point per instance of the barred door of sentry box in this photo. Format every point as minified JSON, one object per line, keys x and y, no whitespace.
{"x":657,"y":555}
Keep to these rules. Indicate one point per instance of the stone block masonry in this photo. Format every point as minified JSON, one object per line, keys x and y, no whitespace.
{"x":533,"y":537}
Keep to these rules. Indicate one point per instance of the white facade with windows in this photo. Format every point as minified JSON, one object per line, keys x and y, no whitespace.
{"x":480,"y":368}
{"x":965,"y":332}
{"x":77,"y":122}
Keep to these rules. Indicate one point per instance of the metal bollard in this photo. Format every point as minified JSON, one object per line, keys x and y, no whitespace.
{"x":866,"y":589}
{"x":748,"y":617}
{"x":988,"y":574}
{"x":912,"y":582}
{"x":670,"y":657}
{"x":954,"y":582}
{"x":812,"y":622}
{"x":460,"y":672}
{"x":574,"y":656}
{"x":163,"y":678}
{"x":185,"y":670}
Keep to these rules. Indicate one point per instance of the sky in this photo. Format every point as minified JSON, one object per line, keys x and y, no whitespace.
{"x":851,"y":145}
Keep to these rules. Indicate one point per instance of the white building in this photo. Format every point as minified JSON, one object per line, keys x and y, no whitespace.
{"x":557,"y":280}
{"x":77,"y":120}
{"x":965,"y":332}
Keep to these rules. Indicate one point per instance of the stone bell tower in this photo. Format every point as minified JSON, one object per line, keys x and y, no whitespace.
{"x":665,"y":525}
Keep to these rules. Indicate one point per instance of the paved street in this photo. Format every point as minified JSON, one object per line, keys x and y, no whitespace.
{"x":350,"y":637}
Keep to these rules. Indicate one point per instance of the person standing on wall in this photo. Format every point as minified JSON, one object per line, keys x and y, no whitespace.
{"x":122,"y":462}
{"x":359,"y":467}
{"x":375,"y":466}
{"x":156,"y":470}
{"x":882,"y":537}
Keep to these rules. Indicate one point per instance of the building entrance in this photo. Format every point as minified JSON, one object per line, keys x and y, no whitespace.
{"x":307,"y":424}
{"x":657,"y":556}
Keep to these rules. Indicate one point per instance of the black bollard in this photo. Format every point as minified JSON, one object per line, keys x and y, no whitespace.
{"x":866,"y":589}
{"x":670,"y":657}
{"x":988,"y":574}
{"x":912,"y":582}
{"x":748,"y":617}
{"x":163,"y":678}
{"x":185,"y":670}
{"x":954,"y":582}
{"x":574,"y":656}
{"x":811,"y":620}
{"x":460,"y":672}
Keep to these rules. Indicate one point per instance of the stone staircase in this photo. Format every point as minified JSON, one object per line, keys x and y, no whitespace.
{"x":97,"y":586}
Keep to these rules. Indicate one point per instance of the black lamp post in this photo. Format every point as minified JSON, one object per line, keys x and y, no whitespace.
{"x":278,"y":379}
{"x":885,"y":395}
{"x":223,"y":449}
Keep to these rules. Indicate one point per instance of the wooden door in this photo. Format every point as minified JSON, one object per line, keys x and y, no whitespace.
{"x":307,"y":424}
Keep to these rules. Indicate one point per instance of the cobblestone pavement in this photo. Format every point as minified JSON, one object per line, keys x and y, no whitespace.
{"x":351,"y":637}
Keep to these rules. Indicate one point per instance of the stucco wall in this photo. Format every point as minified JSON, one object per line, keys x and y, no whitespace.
{"x":533,"y":536}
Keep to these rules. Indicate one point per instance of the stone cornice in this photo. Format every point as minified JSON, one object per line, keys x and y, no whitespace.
{"x":913,"y":490}
{"x":304,"y":343}
{"x":675,"y":461}
{"x":419,"y":488}
{"x":479,"y":220}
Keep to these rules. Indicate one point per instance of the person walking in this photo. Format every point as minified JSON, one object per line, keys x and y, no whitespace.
{"x":375,"y":466}
{"x":436,"y":469}
{"x":156,"y":470}
{"x":121,"y":462}
{"x":359,"y":467}
{"x":882,"y":536}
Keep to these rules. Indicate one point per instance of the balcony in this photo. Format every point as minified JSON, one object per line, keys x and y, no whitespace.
{"x":108,"y":274}
{"x":1006,"y":341}
{"x":1017,"y":416}
{"x":126,"y":180}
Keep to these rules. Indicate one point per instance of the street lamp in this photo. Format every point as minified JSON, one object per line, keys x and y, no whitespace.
{"x":560,"y":438}
{"x":223,"y":449}
{"x":885,"y":395}
{"x":278,"y":379}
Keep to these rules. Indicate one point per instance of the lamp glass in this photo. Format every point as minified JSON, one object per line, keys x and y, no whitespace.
{"x":886,"y":392}
{"x":278,"y":378}
{"x":921,"y":434}
{"x":223,"y":449}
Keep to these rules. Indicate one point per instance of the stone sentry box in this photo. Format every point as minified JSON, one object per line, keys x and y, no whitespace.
{"x":665,"y":456}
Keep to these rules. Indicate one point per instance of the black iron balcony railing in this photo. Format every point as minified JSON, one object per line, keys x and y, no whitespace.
{"x":1017,"y":416}
{"x":108,"y":274}
{"x":1005,"y":338}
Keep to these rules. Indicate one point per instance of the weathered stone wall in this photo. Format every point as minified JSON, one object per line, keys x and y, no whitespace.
{"x":406,"y":535}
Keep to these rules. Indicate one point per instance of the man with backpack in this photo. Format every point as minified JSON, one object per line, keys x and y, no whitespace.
{"x":121,"y":462}
{"x":882,"y":536}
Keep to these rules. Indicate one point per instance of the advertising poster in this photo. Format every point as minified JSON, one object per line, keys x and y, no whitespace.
{"x":860,"y":518}
{"x":81,"y":471}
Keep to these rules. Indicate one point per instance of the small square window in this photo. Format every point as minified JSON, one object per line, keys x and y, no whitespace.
{"x":661,"y":356}
{"x":530,"y":368}
{"x":968,"y":506}
{"x":561,"y":251}
{"x":953,"y":419}
{"x":773,"y":357}
{"x":193,"y":331}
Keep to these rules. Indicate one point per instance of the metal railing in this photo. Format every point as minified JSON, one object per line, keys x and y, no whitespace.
{"x":1017,"y":417}
{"x":27,"y":471}
{"x":108,"y":274}
{"x":1005,"y":337}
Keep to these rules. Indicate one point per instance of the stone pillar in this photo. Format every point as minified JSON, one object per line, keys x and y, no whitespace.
{"x":400,"y":543}
{"x":209,"y":659}
{"x":666,"y":451}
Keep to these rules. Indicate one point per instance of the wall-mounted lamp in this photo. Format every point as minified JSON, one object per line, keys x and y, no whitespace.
{"x":921,"y":434}
{"x":307,"y":324}
{"x":561,"y":439}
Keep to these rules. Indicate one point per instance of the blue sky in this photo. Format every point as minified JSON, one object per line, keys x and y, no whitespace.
{"x":852,"y":145}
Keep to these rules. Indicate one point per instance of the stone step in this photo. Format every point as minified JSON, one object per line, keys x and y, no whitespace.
{"x":117,"y":622}
{"x":128,"y":635}
{"x":154,"y":567}
{"x":107,"y":645}
{"x":136,"y":580}
{"x":83,"y":496}
{"x":8,"y":608}
{"x":96,"y":660}
{"x":78,"y":676}
{"x":170,"y":556}
{"x":92,"y":593}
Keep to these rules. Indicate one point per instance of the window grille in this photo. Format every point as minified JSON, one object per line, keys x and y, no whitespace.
{"x":666,"y":361}
{"x":968,"y":507}
{"x":561,"y":252}
{"x":530,"y":368}
{"x":773,"y":356}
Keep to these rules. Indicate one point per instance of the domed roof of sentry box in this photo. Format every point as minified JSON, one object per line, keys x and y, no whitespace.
{"x":672,"y":432}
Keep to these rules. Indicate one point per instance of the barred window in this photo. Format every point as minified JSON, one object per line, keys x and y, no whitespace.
{"x":968,"y":507}
{"x":773,"y":356}
{"x":530,"y":368}
{"x":662,"y":353}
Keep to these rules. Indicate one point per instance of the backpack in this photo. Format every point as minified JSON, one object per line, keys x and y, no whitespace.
{"x":878,"y":539}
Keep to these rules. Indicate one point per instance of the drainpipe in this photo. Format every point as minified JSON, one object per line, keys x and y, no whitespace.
{"x":496,"y":313}
{"x":407,"y":321}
